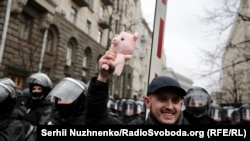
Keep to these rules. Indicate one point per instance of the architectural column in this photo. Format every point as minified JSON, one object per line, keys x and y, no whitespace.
{"x":46,"y":21}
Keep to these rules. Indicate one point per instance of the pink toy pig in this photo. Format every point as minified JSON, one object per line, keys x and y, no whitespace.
{"x":123,"y":45}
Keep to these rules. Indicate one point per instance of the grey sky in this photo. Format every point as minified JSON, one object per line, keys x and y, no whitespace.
{"x":185,"y":35}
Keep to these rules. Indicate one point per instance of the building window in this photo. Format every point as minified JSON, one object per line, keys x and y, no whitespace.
{"x":116,"y":26}
{"x":50,"y":41}
{"x":86,"y":58}
{"x":91,"y":3}
{"x":97,"y":63}
{"x":124,"y":27}
{"x":101,"y":12}
{"x":85,"y":61}
{"x":99,"y":38}
{"x":69,"y":53}
{"x":116,"y":6}
{"x":73,"y":13}
{"x":25,"y":25}
{"x":126,"y":9}
{"x":88,"y":27}
{"x":18,"y":80}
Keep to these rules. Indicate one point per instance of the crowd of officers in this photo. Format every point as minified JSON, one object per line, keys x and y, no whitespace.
{"x":72,"y":102}
{"x":63,"y":104}
{"x":197,"y":110}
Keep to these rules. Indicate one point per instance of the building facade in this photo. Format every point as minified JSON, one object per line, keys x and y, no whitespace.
{"x":236,"y":61}
{"x":67,"y":38}
{"x":185,"y":82}
{"x":39,"y":38}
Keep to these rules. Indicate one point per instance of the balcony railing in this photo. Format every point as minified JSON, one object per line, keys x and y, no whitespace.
{"x":103,"y":22}
{"x":107,"y":2}
{"x":44,"y":5}
{"x":82,"y":3}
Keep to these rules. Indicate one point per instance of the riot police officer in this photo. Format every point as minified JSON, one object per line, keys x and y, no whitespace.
{"x":111,"y":106}
{"x":141,"y":108}
{"x":236,"y":116}
{"x":197,"y":106}
{"x":39,"y":109}
{"x":12,"y":125}
{"x":68,"y":98}
{"x":129,"y":110}
{"x":244,"y":112}
{"x":216,"y":113}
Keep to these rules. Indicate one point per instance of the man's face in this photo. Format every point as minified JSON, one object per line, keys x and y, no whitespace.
{"x":129,"y":110}
{"x":37,"y":92}
{"x":216,"y":115}
{"x":60,"y":101}
{"x":37,"y":89}
{"x":165,"y":106}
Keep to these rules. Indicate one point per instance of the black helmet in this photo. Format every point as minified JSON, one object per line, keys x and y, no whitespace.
{"x":236,"y":115}
{"x":40,"y":79}
{"x":216,"y":112}
{"x":228,"y":113}
{"x":244,"y":112}
{"x":129,"y":107}
{"x":119,"y":104}
{"x":71,"y":91}
{"x":197,"y":102}
{"x":8,"y":97}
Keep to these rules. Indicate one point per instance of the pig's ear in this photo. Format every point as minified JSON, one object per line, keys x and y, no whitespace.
{"x":136,"y":36}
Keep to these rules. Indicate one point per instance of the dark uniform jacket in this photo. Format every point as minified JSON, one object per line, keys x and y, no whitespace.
{"x":204,"y":120}
{"x":39,"y":112}
{"x":14,"y":128}
{"x":56,"y":119}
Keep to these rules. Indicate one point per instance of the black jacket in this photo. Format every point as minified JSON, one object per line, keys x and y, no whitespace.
{"x":96,"y":111}
{"x":14,"y":128}
{"x":39,"y":112}
{"x":204,"y":120}
{"x":56,"y":119}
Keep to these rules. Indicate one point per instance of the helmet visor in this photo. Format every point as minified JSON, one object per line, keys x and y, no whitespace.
{"x":140,"y":107}
{"x":110,"y":103}
{"x":67,"y":89}
{"x":216,"y":114}
{"x":4,"y":93}
{"x":129,"y":109}
{"x":197,"y":101}
{"x":246,"y":114}
{"x":197,"y":104}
